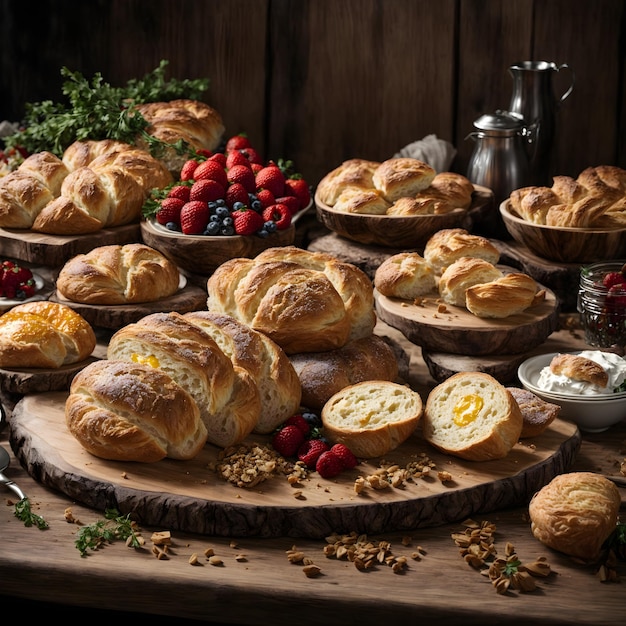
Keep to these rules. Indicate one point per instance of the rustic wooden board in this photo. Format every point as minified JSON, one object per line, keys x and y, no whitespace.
{"x":56,"y":250}
{"x":457,"y":331}
{"x":190,"y":497}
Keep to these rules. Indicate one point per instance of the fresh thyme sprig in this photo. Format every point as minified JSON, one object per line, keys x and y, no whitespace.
{"x":114,"y":526}
{"x":24,"y":513}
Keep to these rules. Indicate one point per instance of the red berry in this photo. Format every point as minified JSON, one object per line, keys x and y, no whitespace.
{"x":300,"y":422}
{"x":278,"y":213}
{"x":237,"y":142}
{"x":616,"y":298}
{"x":344,"y":454}
{"x":246,"y":221}
{"x":613,"y":278}
{"x":219,"y":157}
{"x":236,"y":193}
{"x":180,"y":191}
{"x":170,"y":211}
{"x":272,"y":178}
{"x":213,"y":171}
{"x":309,"y":452}
{"x":266,"y":198}
{"x":252,"y":155}
{"x":291,"y":202}
{"x":188,"y":169}
{"x":236,"y":157}
{"x":256,"y":167}
{"x":194,"y":217}
{"x":206,"y":190}
{"x":202,"y":152}
{"x":287,"y":440}
{"x":244,"y":175}
{"x":300,"y":189}
{"x":328,"y":465}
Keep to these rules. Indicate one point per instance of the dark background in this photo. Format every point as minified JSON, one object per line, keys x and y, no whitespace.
{"x":320,"y":81}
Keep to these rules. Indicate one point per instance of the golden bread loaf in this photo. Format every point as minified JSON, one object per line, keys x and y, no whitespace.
{"x":373,"y":417}
{"x":472,"y":416}
{"x":509,"y":295}
{"x":226,"y":394}
{"x":124,"y":411}
{"x":579,"y":368}
{"x":322,"y":374}
{"x":44,"y":335}
{"x":575,"y":513}
{"x":405,"y":275}
{"x":402,"y":176}
{"x":450,"y":244}
{"x":364,"y":201}
{"x":537,"y":413}
{"x":118,"y":274}
{"x":277,"y":381}
{"x":353,"y":173}
{"x":304,"y":301}
{"x":462,"y":274}
{"x":82,"y":153}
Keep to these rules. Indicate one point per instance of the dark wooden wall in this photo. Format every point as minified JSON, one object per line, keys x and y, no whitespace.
{"x":320,"y":81}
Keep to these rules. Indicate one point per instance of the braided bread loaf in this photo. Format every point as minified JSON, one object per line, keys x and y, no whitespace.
{"x":596,"y":199}
{"x":304,"y":301}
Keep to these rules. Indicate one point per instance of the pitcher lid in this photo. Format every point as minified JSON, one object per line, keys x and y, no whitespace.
{"x":500,"y":120}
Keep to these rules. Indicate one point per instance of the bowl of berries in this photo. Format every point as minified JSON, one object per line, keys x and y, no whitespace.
{"x":18,"y":284}
{"x":225,"y":205}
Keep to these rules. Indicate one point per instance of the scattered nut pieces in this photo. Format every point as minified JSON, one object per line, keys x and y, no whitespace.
{"x":311,"y":570}
{"x":216,"y":561}
{"x":161,"y":538}
{"x":69,"y":517}
{"x":193,"y":559}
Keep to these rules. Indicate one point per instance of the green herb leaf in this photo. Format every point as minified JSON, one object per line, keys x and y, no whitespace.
{"x":24,"y":513}
{"x":114,"y":526}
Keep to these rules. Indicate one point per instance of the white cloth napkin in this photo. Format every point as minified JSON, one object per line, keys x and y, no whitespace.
{"x":438,"y":153}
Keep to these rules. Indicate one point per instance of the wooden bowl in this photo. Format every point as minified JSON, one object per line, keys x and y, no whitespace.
{"x":565,"y":245}
{"x":391,"y":231}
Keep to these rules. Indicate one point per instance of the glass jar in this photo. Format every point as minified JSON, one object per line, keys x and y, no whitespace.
{"x":603,"y":315}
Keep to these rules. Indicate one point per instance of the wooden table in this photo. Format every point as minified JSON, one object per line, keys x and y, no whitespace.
{"x":265,"y":588}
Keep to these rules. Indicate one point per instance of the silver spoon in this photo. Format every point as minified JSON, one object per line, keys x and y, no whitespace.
{"x":5,"y":460}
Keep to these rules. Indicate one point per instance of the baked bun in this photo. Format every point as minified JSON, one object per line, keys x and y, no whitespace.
{"x":509,"y":295}
{"x":82,"y":153}
{"x":363,"y":201}
{"x":354,"y":173}
{"x":537,"y":413}
{"x":462,"y":274}
{"x":322,"y":374}
{"x":118,"y":274}
{"x":450,"y":244}
{"x":277,"y":381}
{"x":372,"y":418}
{"x":304,"y":301}
{"x":472,"y":416}
{"x":131,"y":412}
{"x":402,"y":176}
{"x":405,"y":275}
{"x":575,"y":513}
{"x":44,"y":335}
{"x":579,"y":368}
{"x":226,"y":394}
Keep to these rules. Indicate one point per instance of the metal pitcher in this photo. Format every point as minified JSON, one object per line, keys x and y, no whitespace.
{"x":533,"y":98}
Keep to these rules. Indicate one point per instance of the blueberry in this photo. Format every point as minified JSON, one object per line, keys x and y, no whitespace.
{"x":256,"y":205}
{"x":227,"y":230}
{"x":312,"y":419}
{"x":213,"y":228}
{"x":222,"y":211}
{"x":270,"y":226}
{"x":172,"y":226}
{"x":262,"y":233}
{"x":220,"y":202}
{"x":227,"y":221}
{"x":215,"y":218}
{"x":212,"y":206}
{"x":237,"y":206}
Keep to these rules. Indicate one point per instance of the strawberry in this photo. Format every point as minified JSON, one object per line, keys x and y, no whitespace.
{"x":344,"y":454}
{"x":236,"y":193}
{"x":188,"y":169}
{"x":170,"y":211}
{"x":616,"y":297}
{"x":613,"y":278}
{"x":246,"y":221}
{"x":287,"y":440}
{"x":179,"y":191}
{"x":328,"y":465}
{"x":291,"y":202}
{"x":252,"y":155}
{"x":206,"y":190}
{"x":17,"y":282}
{"x":300,"y":422}
{"x":213,"y":171}
{"x":237,"y":142}
{"x":218,"y":157}
{"x":244,"y":175}
{"x":256,"y":167}
{"x":271,"y":177}
{"x":236,"y":157}
{"x":310,"y":451}
{"x":278,"y":213}
{"x":300,"y":189}
{"x":266,"y":198}
{"x":194,"y":217}
{"x":205,"y":154}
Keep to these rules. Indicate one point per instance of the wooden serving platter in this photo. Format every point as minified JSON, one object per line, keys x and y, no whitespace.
{"x":56,"y":250}
{"x":188,"y":496}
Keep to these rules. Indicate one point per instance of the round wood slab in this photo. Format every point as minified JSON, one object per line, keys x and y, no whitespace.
{"x":454,"y":330}
{"x":188,"y":496}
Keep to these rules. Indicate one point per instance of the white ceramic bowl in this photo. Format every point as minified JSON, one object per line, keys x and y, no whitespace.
{"x":592,"y":414}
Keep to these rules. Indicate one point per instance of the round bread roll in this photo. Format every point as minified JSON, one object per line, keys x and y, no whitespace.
{"x":575,"y":513}
{"x":464,"y":273}
{"x":508,"y":295}
{"x":405,"y":275}
{"x":322,"y":374}
{"x":44,"y":335}
{"x":537,"y":413}
{"x":472,"y":416}
{"x":450,"y":244}
{"x":125,"y":411}
{"x":278,"y":383}
{"x":118,"y":274}
{"x":354,"y":173}
{"x":363,"y":201}
{"x":373,"y":417}
{"x":402,"y":176}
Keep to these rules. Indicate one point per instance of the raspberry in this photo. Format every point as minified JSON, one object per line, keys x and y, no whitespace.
{"x":287,"y":440}
{"x":613,"y":278}
{"x":344,"y":454}
{"x":300,"y":422}
{"x":310,"y":451}
{"x":328,"y":465}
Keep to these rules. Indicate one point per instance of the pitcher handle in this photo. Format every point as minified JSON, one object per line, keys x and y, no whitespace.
{"x":565,"y":66}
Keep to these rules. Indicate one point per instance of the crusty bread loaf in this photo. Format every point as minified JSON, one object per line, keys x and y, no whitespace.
{"x":353,"y":173}
{"x":405,"y":275}
{"x":450,"y":244}
{"x":118,"y":274}
{"x":226,"y":394}
{"x":579,"y":368}
{"x":472,"y":416}
{"x":82,"y":153}
{"x":508,"y":295}
{"x":304,"y":301}
{"x":44,"y":335}
{"x":322,"y":374}
{"x":277,"y":381}
{"x":402,"y":176}
{"x":125,"y":411}
{"x":462,"y":274}
{"x":537,"y":413}
{"x":364,"y":201}
{"x":575,"y":513}
{"x":373,"y":417}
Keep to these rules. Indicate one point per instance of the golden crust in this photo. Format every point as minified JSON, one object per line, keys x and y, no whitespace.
{"x":537,"y":413}
{"x":463,"y":274}
{"x":351,"y":173}
{"x":362,"y":201}
{"x":402,"y":176}
{"x":580,"y":368}
{"x":450,"y":244}
{"x":405,"y":275}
